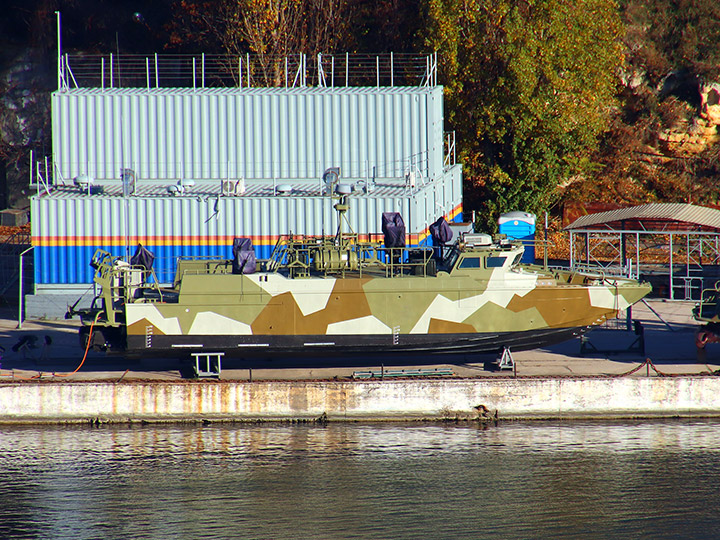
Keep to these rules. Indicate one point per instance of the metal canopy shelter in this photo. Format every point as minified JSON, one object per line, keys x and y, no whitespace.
{"x":656,"y":239}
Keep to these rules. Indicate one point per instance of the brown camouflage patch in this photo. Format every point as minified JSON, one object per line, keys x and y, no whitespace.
{"x":282,"y":316}
{"x":560,"y":306}
{"x":139,"y":328}
{"x":438,"y":326}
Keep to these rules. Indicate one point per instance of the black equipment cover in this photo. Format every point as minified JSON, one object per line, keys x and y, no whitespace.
{"x":441,"y":232}
{"x":143,"y":257}
{"x":244,"y":261}
{"x":393,"y":228}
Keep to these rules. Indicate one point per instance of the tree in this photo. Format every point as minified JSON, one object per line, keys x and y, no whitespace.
{"x":270,"y":29}
{"x":531,"y":86}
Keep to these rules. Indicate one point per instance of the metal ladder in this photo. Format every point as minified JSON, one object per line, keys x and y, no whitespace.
{"x":207,"y":364}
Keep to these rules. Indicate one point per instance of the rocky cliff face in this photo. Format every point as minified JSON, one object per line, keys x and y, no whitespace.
{"x":699,"y":133}
{"x":26,"y":80}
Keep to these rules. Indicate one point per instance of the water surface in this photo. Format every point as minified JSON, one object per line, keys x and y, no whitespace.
{"x":535,"y":480}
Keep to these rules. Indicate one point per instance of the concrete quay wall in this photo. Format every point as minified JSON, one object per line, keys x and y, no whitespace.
{"x":529,"y":398}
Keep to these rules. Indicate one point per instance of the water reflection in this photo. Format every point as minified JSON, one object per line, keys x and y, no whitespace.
{"x":598,"y":480}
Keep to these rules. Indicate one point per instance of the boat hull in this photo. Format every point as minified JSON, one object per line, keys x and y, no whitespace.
{"x":427,"y":346}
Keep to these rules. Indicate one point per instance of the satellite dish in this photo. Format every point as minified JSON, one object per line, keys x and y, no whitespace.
{"x":284,"y":189}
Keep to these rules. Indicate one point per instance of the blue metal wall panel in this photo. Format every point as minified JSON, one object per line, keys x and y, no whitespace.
{"x":67,"y":229}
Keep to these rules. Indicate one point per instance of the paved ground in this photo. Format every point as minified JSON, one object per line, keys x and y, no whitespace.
{"x":669,"y":344}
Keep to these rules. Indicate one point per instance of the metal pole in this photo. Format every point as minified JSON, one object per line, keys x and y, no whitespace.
{"x":59,"y":51}
{"x":587,"y":248}
{"x":545,"y":247}
{"x":20,"y":288}
{"x":672,"y":294}
{"x":392,"y":70}
{"x":377,"y":70}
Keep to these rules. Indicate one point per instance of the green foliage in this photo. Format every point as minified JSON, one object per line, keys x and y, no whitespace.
{"x":531,"y":86}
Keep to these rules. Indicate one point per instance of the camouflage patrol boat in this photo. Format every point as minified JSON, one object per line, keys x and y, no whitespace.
{"x":340,"y":295}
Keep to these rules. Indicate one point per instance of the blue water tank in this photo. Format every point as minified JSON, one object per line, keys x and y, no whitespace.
{"x":520,"y":226}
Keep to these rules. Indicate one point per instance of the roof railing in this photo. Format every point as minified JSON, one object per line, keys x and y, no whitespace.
{"x":245,"y":71}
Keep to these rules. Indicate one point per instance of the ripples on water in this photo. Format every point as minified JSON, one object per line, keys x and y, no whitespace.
{"x":541,"y":480}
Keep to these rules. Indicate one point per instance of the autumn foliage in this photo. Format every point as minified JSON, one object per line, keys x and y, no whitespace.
{"x":552,"y":101}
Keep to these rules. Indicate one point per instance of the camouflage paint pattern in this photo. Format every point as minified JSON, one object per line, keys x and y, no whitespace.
{"x":469,"y":301}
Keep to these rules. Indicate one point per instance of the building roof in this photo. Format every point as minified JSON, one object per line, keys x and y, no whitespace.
{"x":385,"y":187}
{"x":656,"y":217}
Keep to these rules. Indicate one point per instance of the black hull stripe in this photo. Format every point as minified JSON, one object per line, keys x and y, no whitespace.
{"x":342,"y":345}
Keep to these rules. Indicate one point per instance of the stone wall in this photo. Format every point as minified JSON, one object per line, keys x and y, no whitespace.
{"x":467,"y":399}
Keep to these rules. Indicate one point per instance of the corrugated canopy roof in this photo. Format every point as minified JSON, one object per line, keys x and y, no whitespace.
{"x":659,"y":217}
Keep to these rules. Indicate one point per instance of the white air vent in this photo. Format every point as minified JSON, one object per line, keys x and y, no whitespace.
{"x":232,"y":188}
{"x":343,"y":189}
{"x":477,"y":239}
{"x":83,"y":181}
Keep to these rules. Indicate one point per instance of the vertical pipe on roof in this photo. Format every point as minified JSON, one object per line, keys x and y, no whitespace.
{"x":392,"y":70}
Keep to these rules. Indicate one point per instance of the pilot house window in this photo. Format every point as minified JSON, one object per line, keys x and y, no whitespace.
{"x":495,"y":262}
{"x":470,"y":262}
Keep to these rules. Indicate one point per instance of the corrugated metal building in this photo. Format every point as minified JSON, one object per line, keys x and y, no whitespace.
{"x":387,"y":141}
{"x":246,"y":133}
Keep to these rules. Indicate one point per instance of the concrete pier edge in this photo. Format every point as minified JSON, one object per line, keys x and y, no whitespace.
{"x":503,"y":398}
